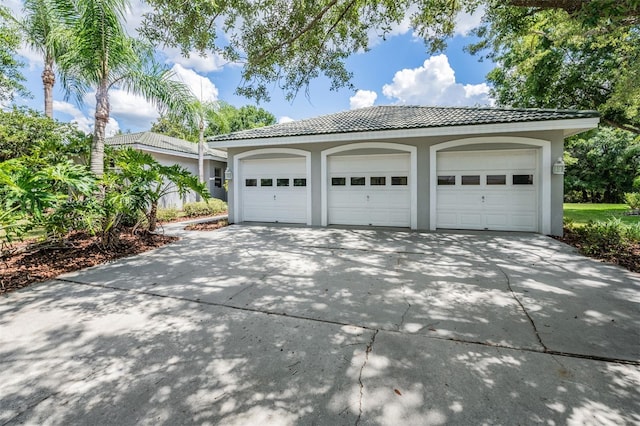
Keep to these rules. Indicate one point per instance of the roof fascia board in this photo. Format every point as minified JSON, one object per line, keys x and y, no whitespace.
{"x":143,"y":147}
{"x":580,"y":124}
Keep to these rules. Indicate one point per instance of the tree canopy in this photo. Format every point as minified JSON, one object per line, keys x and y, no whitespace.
{"x":547,"y":59}
{"x":10,"y":76}
{"x":550,"y":53}
{"x":224,"y":119}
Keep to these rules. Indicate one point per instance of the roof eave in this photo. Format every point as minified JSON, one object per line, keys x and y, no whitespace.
{"x":148,"y":148}
{"x":568,"y":126}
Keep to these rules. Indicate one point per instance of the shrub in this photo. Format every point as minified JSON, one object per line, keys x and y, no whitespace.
{"x":205,"y":208}
{"x":633,"y":200}
{"x":167,"y":215}
{"x":603,"y":238}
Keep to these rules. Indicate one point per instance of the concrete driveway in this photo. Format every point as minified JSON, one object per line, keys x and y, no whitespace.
{"x":286,"y":325}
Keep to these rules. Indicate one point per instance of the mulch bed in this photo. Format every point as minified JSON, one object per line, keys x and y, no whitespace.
{"x":211,"y":225}
{"x":32,"y":263}
{"x":628,"y":258}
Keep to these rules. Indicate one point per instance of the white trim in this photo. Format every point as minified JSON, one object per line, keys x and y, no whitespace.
{"x":578,"y":123}
{"x":544,"y":172}
{"x":155,"y":150}
{"x":413,"y":181}
{"x":237,"y":175}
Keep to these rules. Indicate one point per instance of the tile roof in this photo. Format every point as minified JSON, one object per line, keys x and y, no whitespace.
{"x":157,"y":140}
{"x":378,"y":118}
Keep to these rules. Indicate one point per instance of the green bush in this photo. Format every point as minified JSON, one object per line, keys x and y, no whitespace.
{"x":205,"y":208}
{"x":167,"y":215}
{"x":604,"y":238}
{"x":632,"y":199}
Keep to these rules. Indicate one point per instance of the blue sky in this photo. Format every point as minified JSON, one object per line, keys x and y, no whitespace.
{"x":395,"y":71}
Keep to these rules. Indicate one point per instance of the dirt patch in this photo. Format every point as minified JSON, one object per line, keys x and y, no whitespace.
{"x":628,"y":257}
{"x":32,"y":263}
{"x":211,"y":225}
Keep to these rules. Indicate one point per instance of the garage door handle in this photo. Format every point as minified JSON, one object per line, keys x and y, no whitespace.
{"x":367,"y":198}
{"x":274,"y":197}
{"x":483,"y":198}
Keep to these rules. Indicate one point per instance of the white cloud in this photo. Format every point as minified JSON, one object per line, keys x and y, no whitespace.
{"x":465,"y":22}
{"x":208,"y":63}
{"x":201,"y":86}
{"x":84,"y":123}
{"x":362,"y":99}
{"x":434,"y":83}
{"x":134,"y":16}
{"x":285,"y":119}
{"x":131,"y":111}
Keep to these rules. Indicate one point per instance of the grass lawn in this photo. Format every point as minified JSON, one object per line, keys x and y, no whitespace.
{"x":580,"y":214}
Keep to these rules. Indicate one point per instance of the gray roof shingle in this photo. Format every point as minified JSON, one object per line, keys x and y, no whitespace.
{"x":378,"y":118}
{"x":157,"y":140}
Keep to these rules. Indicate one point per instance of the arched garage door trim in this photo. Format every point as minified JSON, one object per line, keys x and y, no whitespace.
{"x":413,"y":181}
{"x":545,"y":172}
{"x":264,"y":151}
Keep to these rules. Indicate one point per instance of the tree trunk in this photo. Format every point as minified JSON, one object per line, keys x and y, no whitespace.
{"x":153,"y":216}
{"x":48,"y":81}
{"x":201,"y":152}
{"x":102,"y":118}
{"x":201,"y":155}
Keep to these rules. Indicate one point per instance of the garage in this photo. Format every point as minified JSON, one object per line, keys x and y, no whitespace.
{"x":488,"y":190}
{"x":274,"y":190}
{"x":371,"y":190}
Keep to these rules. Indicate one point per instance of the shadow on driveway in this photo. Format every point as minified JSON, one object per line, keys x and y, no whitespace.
{"x":285,"y":325}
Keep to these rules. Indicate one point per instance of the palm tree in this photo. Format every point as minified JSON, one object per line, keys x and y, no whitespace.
{"x":43,"y":19}
{"x":200,"y":115}
{"x":102,"y":56}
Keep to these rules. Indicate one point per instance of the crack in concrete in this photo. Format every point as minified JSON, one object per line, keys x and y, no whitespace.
{"x":403,"y":315}
{"x":526,"y":313}
{"x":364,"y":327}
{"x":367,"y":351}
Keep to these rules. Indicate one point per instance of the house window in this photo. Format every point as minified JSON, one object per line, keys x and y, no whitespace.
{"x":338,"y":181}
{"x":357,"y":181}
{"x":217,"y":177}
{"x":471,"y":180}
{"x":523,"y":179}
{"x":299,"y":182}
{"x":400,"y":180}
{"x":378,"y":180}
{"x":496,"y":179}
{"x":266,"y":182}
{"x":251,"y":182}
{"x":282,"y":182}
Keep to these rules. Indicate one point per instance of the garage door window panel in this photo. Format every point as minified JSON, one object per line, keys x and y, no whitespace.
{"x":282,"y":182}
{"x":299,"y":182}
{"x":251,"y":182}
{"x":496,"y":179}
{"x":338,"y":181}
{"x":471,"y":179}
{"x":266,"y":182}
{"x":378,"y":181}
{"x":358,"y":181}
{"x":399,"y":181}
{"x":523,"y":179}
{"x":446,"y":180}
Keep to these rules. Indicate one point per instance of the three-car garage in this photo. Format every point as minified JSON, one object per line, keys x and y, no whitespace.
{"x":422,"y":168}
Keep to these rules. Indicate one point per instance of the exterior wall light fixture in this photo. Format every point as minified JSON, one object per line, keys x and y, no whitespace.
{"x":558,"y":167}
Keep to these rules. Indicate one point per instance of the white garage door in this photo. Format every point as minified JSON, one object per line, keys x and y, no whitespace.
{"x":369,"y":190}
{"x":493,"y":190}
{"x":274,"y":190}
